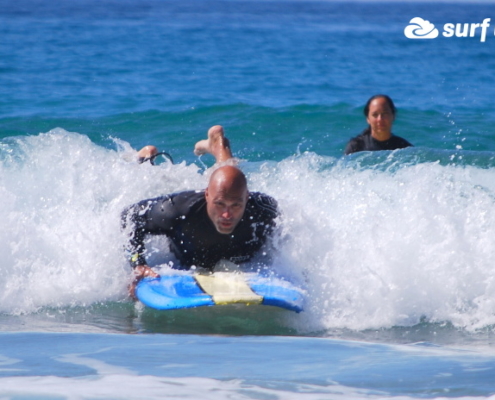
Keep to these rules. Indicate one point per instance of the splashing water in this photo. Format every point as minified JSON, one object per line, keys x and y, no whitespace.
{"x":376,"y":240}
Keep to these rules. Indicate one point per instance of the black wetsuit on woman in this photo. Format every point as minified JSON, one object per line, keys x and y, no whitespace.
{"x":366,"y":142}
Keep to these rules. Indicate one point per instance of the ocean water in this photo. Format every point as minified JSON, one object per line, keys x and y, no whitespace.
{"x":395,"y":249}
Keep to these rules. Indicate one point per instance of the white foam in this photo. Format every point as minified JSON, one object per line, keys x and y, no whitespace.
{"x":60,"y":236}
{"x":375,"y":247}
{"x":151,"y":387}
{"x":380,"y":248}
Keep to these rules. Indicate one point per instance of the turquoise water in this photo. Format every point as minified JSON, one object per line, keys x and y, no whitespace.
{"x":394,"y":249}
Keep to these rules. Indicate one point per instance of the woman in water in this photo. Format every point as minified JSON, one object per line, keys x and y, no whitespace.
{"x":380,"y":114}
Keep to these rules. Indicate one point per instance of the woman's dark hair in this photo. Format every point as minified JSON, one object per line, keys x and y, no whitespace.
{"x":378,"y":96}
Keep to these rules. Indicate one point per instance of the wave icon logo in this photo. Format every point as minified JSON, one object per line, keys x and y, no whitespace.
{"x":419,"y":28}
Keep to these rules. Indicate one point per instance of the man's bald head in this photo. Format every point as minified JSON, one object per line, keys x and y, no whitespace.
{"x":226,"y":198}
{"x":228,"y":178}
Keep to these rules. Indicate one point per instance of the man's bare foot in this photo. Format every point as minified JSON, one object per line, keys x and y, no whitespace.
{"x":146,"y":153}
{"x":216,"y":144}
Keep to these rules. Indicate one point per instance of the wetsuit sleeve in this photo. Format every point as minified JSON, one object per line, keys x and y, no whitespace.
{"x":351,"y":147}
{"x":265,"y":206}
{"x":267,"y":209}
{"x":148,"y":217}
{"x":405,"y":143}
{"x":272,"y":234}
{"x":357,"y":143}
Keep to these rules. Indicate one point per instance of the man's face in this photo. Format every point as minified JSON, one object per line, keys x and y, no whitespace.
{"x":225,"y":206}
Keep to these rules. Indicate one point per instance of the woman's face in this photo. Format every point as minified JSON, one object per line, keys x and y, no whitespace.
{"x":380,"y":118}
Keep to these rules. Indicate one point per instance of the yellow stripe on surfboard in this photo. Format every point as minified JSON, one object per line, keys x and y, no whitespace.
{"x":227,"y":289}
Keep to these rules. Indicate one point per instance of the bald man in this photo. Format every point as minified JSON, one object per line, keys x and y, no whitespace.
{"x":223,"y":222}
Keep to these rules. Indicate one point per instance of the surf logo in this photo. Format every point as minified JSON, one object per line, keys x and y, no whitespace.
{"x":465,"y":30}
{"x":419,"y":28}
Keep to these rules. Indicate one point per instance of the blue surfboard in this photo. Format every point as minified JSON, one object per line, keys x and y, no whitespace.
{"x":176,"y":291}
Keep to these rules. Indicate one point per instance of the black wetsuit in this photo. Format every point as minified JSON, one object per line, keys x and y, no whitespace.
{"x":366,"y":142}
{"x":194,"y":240}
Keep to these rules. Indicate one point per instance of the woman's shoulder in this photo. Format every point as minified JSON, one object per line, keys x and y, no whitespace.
{"x":357,"y":143}
{"x":400,"y":141}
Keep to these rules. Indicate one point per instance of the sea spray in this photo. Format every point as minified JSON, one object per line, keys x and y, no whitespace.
{"x":376,"y":240}
{"x":388,"y":244}
{"x":62,"y":198}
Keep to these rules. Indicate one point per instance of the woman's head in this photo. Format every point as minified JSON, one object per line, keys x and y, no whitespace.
{"x":380,"y":114}
{"x":387,"y":99}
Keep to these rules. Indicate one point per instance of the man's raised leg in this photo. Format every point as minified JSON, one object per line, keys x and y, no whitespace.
{"x":217,"y":145}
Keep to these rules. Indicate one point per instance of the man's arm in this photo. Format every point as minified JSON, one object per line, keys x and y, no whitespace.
{"x":146,"y":217}
{"x":140,"y":272}
{"x":267,"y":209}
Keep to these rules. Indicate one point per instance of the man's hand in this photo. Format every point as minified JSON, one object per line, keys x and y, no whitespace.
{"x":140,"y":272}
